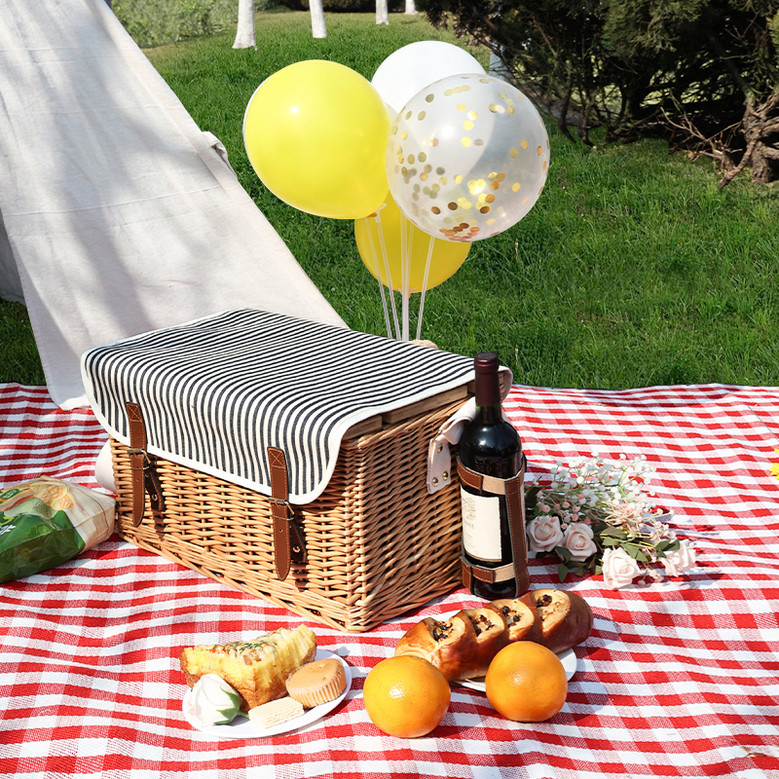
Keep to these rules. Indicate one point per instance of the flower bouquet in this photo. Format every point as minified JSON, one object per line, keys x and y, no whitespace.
{"x":595,"y":516}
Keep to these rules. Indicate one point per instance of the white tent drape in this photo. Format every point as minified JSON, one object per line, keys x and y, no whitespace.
{"x":121,"y":214}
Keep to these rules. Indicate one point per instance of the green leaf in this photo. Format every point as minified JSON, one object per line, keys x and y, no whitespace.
{"x":531,"y":495}
{"x":612,"y":532}
{"x":562,"y":571}
{"x":563,"y":553}
{"x":666,"y":546}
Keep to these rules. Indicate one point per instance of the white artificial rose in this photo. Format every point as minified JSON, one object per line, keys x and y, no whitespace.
{"x":680,"y":560}
{"x":619,"y":568}
{"x":213,"y":701}
{"x":543,"y":534}
{"x":578,"y":541}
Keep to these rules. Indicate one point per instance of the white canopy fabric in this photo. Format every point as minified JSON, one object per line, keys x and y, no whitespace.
{"x":121,"y":215}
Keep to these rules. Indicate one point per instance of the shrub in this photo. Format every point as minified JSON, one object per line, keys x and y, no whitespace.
{"x":153,"y":22}
{"x":345,"y":6}
{"x":702,"y":74}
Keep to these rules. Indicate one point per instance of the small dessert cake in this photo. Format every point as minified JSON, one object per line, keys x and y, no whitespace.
{"x":257,"y":669}
{"x":318,"y":682}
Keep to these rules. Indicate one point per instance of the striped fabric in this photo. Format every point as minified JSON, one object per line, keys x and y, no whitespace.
{"x":215,"y":393}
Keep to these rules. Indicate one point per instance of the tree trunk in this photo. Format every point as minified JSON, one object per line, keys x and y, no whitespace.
{"x":318,"y":27}
{"x":763,"y":125}
{"x":382,"y":12}
{"x":410,"y":7}
{"x":760,"y":128}
{"x":244,"y":33}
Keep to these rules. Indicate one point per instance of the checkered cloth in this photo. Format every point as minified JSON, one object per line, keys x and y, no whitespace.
{"x":679,"y":678}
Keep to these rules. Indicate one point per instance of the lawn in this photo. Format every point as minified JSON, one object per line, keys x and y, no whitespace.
{"x":632,"y":269}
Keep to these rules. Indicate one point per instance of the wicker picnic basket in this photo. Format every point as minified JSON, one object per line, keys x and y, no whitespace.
{"x":376,"y":542}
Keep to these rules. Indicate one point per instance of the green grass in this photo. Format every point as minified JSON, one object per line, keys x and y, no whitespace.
{"x":632,"y":269}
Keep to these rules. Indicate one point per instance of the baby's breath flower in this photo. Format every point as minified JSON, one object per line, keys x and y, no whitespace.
{"x":609,"y":503}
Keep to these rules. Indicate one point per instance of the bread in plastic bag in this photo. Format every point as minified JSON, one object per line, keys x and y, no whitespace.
{"x":46,"y":521}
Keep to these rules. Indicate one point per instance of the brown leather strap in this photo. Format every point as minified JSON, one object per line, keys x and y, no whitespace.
{"x":287,"y":538}
{"x":514,"y":491}
{"x":144,"y":476}
{"x":137,"y":454}
{"x":480,"y":481}
{"x":515,"y":502}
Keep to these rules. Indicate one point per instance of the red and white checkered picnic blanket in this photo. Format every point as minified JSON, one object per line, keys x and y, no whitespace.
{"x":679,"y":678}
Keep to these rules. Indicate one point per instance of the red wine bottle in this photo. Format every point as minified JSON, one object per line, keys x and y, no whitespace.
{"x":489,"y":446}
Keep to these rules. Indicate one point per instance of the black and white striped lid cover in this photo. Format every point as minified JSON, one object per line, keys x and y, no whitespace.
{"x":216,"y":392}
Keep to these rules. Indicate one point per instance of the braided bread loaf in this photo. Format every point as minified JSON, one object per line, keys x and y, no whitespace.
{"x":463,"y":646}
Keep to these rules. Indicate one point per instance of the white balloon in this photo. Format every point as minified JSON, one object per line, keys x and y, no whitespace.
{"x":412,"y":67}
{"x":467,"y":157}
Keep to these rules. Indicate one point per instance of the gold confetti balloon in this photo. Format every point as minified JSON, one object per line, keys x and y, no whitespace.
{"x":467,"y":157}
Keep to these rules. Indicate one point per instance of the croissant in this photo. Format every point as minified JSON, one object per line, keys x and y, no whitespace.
{"x":257,"y":669}
{"x":463,"y":646}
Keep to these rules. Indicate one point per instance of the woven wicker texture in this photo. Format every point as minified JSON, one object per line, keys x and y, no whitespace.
{"x":378,"y":544}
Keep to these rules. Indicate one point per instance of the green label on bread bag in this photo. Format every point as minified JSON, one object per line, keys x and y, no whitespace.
{"x":30,"y":543}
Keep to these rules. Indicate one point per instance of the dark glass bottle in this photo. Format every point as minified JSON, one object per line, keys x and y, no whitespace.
{"x":489,"y":445}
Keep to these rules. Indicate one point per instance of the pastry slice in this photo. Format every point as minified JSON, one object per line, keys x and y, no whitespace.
{"x":489,"y":626}
{"x":257,"y":669}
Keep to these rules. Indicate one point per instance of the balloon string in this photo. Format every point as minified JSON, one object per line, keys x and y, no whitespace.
{"x":406,"y":238}
{"x":378,"y":275}
{"x":428,"y":262}
{"x":387,"y":271}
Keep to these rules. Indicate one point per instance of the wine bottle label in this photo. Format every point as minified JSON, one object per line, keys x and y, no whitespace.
{"x":481,"y":526}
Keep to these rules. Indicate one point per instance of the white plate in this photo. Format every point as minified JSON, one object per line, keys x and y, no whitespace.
{"x":567,"y":658}
{"x":243,"y":727}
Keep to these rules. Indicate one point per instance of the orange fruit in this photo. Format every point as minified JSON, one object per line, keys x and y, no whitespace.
{"x":406,"y":696}
{"x":526,"y":682}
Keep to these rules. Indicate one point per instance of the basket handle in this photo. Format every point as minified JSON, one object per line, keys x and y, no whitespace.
{"x":287,"y":537}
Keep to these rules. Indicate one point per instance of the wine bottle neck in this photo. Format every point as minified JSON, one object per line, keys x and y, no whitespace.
{"x":489,"y":414}
{"x":487,"y":390}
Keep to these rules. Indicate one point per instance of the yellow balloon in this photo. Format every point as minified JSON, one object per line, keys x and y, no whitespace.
{"x":388,"y":234}
{"x":315,"y":134}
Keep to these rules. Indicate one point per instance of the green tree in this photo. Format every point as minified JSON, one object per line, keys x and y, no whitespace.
{"x":704,"y":74}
